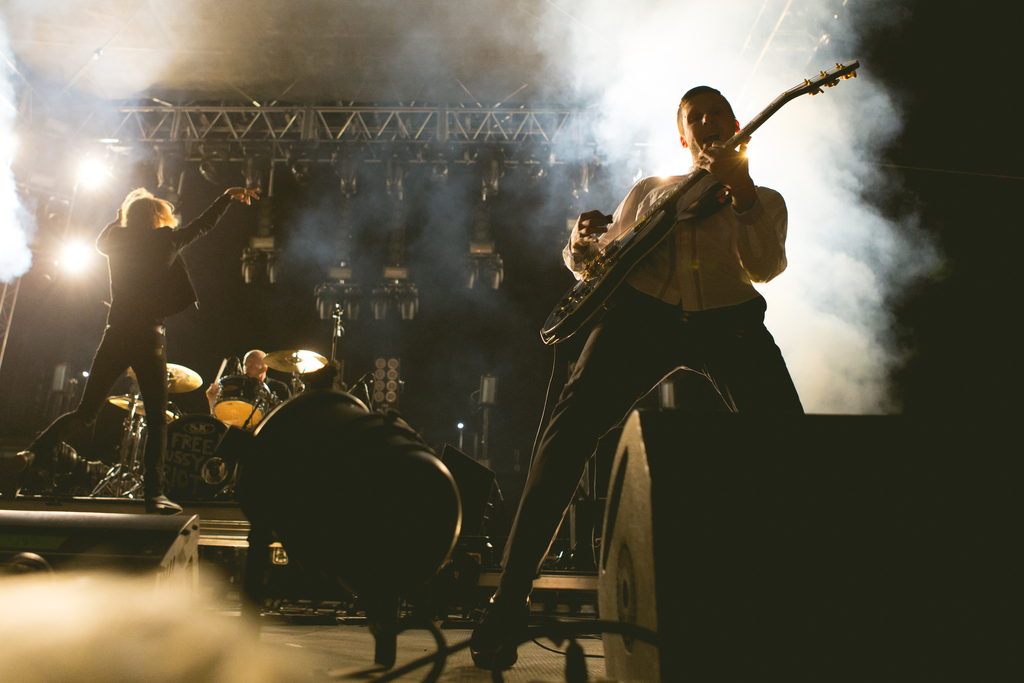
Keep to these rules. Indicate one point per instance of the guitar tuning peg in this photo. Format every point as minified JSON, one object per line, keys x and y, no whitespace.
{"x":822,"y":74}
{"x":838,"y":65}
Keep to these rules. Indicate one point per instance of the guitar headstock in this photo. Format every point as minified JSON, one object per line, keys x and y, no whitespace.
{"x":827,"y":79}
{"x":810,"y":86}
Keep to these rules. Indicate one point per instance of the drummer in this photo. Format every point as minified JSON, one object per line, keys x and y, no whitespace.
{"x":254,"y":367}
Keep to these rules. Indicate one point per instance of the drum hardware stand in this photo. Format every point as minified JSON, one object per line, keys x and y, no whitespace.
{"x":259,"y":396}
{"x":124,"y":478}
{"x":297,"y":386}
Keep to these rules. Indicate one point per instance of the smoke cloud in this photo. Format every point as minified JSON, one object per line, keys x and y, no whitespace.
{"x":828,"y":311}
{"x":15,"y":255}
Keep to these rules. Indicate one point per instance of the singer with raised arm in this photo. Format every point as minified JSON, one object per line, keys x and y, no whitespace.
{"x":148,"y":283}
{"x":690,"y":304}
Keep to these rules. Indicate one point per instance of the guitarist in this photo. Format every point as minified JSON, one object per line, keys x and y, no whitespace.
{"x":688,"y":304}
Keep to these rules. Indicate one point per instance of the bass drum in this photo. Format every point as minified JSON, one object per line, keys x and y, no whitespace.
{"x":193,"y":468}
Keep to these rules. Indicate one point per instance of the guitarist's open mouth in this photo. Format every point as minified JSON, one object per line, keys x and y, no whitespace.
{"x":714,"y":137}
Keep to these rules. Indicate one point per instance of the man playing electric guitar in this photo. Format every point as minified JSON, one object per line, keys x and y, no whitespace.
{"x":689,"y":303}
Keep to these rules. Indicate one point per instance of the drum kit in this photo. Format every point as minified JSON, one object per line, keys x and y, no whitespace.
{"x":193,"y":470}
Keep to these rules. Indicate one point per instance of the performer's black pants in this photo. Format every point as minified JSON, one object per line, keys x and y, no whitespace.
{"x":143,"y":347}
{"x":639,"y":342}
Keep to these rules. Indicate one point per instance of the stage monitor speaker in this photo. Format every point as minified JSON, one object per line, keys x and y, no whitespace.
{"x":44,"y":540}
{"x":804,"y":547}
{"x":475,"y":482}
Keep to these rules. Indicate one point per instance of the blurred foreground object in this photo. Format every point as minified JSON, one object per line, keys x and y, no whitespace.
{"x":79,"y":627}
{"x":355,"y":497}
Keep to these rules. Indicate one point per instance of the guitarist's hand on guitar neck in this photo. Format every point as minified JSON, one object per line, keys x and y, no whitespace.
{"x":729,"y":167}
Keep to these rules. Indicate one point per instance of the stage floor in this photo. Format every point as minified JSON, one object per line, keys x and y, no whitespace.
{"x":336,"y":647}
{"x":345,"y":652}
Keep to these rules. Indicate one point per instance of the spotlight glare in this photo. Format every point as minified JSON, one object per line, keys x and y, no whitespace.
{"x":93,"y":173}
{"x":75,"y":257}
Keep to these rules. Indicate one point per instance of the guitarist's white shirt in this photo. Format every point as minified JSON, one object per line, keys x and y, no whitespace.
{"x":705,"y":263}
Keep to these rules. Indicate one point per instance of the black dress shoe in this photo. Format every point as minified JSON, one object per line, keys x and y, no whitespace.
{"x":162,"y":505}
{"x":495,"y":641}
{"x":11,"y":467}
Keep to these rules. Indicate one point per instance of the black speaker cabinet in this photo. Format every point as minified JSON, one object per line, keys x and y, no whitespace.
{"x":475,"y":482}
{"x":39,"y":540}
{"x":806,"y":547}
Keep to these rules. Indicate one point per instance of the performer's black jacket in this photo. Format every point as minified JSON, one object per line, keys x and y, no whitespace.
{"x":148,"y":276}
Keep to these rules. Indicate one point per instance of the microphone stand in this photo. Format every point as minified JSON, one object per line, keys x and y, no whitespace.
{"x":338,"y":333}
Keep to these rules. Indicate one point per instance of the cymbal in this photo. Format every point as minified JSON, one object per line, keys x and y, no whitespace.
{"x":125,"y":402}
{"x":295,"y":361}
{"x":179,"y":378}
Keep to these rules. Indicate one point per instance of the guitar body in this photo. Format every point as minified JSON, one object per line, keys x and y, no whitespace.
{"x":609,"y":270}
{"x":606,"y":272}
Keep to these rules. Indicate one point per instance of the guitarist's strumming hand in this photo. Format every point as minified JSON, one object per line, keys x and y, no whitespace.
{"x":589,"y":227}
{"x":729,"y":167}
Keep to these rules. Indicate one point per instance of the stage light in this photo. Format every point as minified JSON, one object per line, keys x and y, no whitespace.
{"x":395,"y":168}
{"x":93,"y":172}
{"x":302,"y":169}
{"x":211,"y":168}
{"x":170,"y":174}
{"x":253,"y":170}
{"x":582,"y":174}
{"x":338,"y":294}
{"x":387,"y":384}
{"x":408,"y":300}
{"x":379,"y":302}
{"x":75,"y":256}
{"x":492,"y":168}
{"x":261,"y":256}
{"x":486,"y":270}
{"x":439,"y":172}
{"x":535,"y":171}
{"x":395,"y":291}
{"x":346,"y":166}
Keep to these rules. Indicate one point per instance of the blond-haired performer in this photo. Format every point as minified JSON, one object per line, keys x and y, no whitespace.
{"x":148,"y":283}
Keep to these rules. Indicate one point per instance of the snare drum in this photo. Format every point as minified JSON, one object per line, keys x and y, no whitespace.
{"x":242,"y":401}
{"x":193,"y":468}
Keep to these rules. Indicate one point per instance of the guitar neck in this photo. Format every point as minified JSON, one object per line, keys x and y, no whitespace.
{"x":808,"y":87}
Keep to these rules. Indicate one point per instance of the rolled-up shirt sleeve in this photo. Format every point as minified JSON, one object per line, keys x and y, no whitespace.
{"x":581,"y":250}
{"x":761,"y":236}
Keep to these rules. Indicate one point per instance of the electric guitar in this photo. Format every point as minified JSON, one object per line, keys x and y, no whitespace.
{"x":608,"y":270}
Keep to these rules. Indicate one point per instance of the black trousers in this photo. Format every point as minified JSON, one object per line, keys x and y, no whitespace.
{"x":639,"y":342}
{"x":143,"y":347}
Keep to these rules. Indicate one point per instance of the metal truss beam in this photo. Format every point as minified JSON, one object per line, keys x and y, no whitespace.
{"x":242,"y":128}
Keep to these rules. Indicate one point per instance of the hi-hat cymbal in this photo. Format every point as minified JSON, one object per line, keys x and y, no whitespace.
{"x":295,"y":361}
{"x":126,"y":403}
{"x":179,"y":378}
